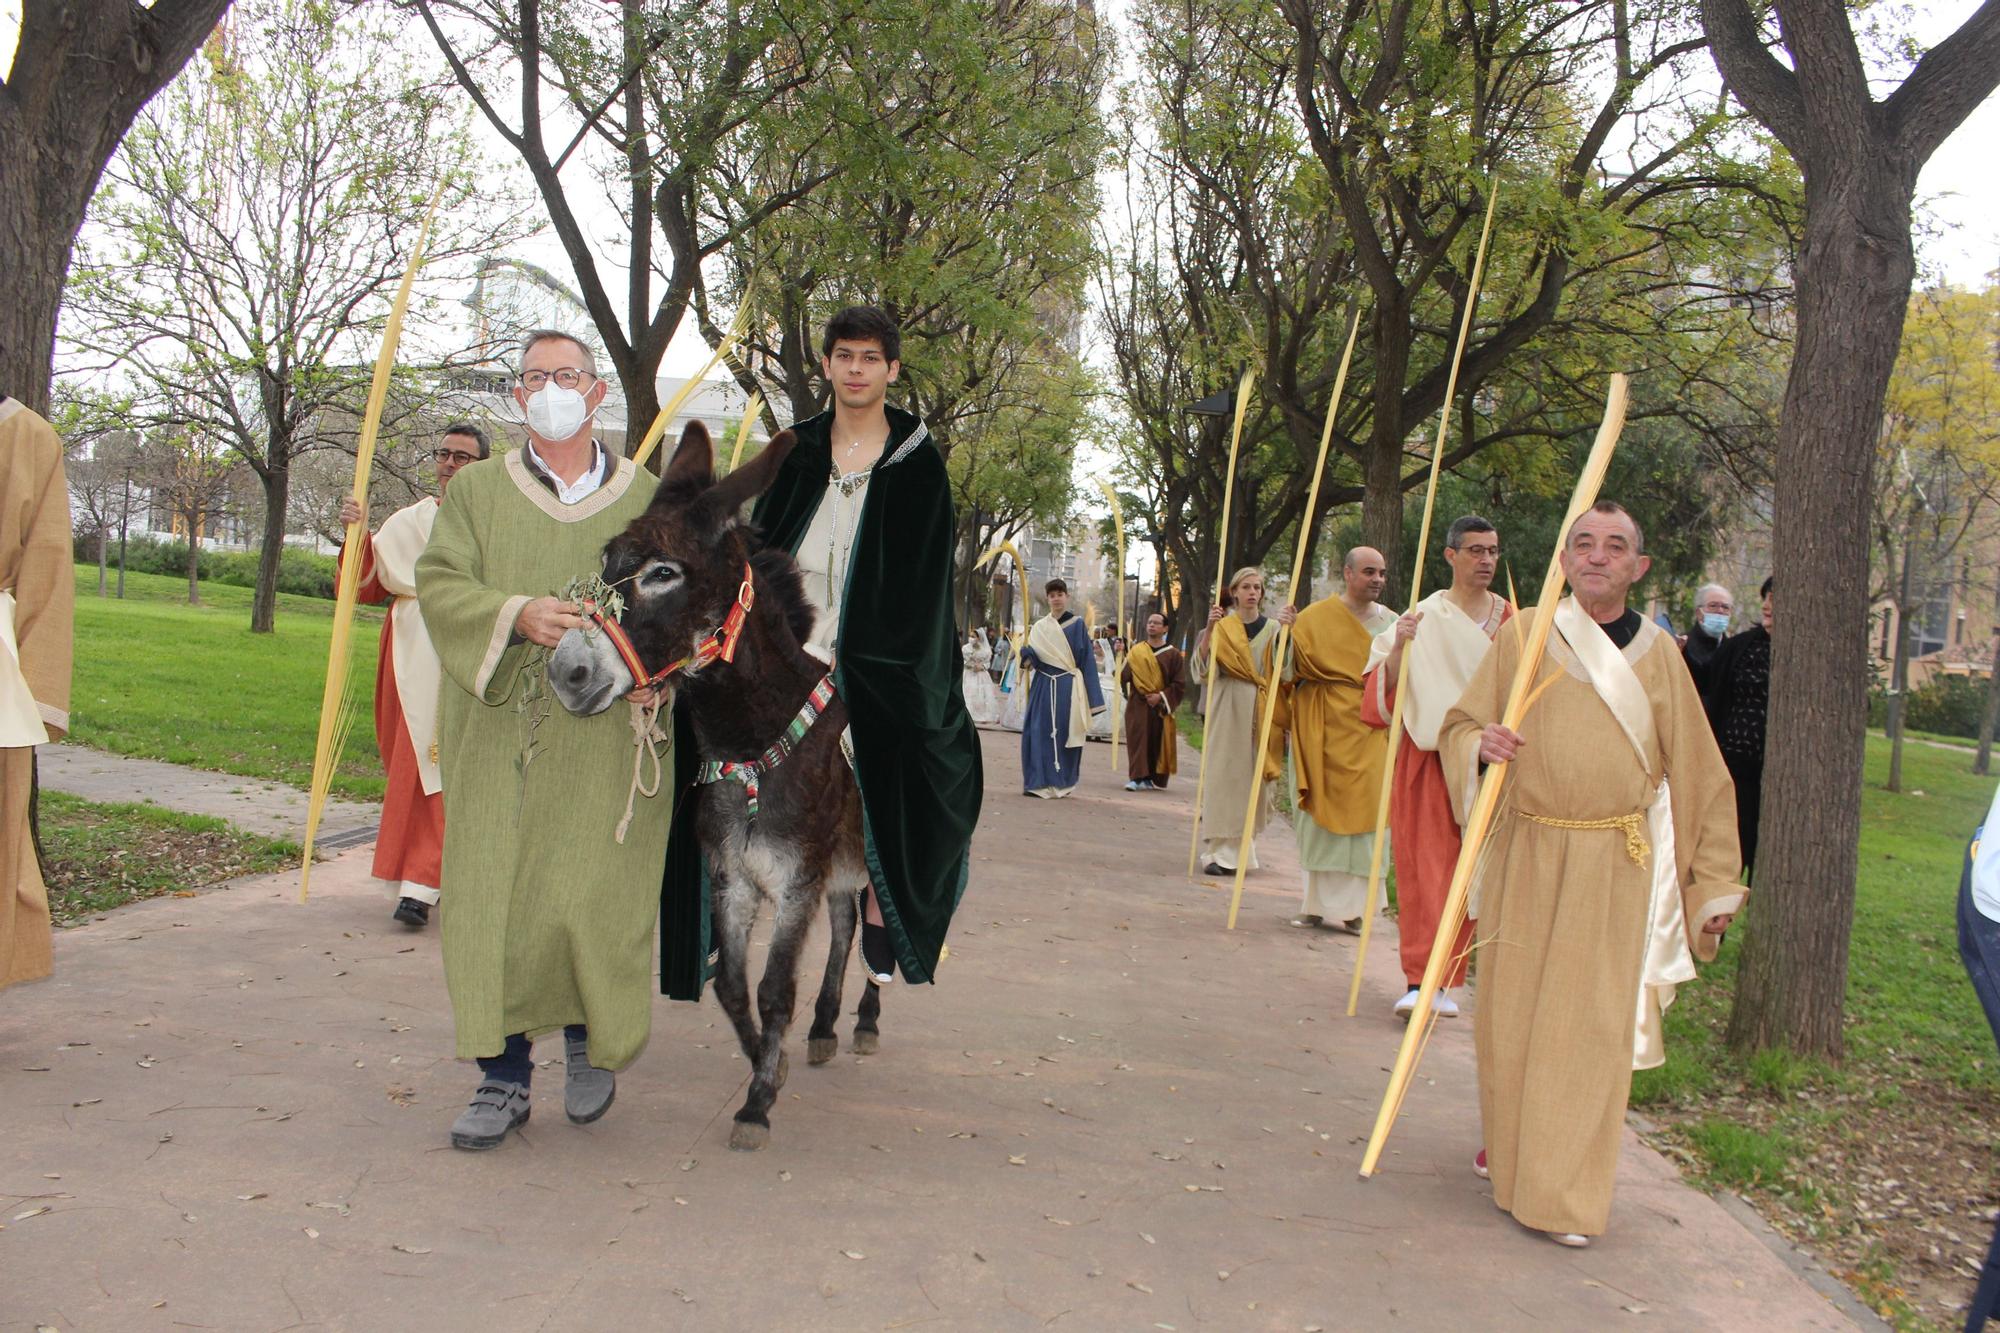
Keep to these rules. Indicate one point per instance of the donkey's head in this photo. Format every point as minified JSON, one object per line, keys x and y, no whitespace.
{"x":679,"y":566}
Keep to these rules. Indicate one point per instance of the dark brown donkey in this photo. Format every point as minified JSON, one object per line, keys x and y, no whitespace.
{"x":779,"y":816}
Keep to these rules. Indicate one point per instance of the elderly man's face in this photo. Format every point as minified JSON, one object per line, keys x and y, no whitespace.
{"x":1601,"y":559}
{"x":1716,"y":602}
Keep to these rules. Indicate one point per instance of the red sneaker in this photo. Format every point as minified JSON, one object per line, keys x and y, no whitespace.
{"x":1479,"y":1166}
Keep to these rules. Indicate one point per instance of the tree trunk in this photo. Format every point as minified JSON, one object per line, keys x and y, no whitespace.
{"x":1382,"y":472}
{"x":1982,"y":764}
{"x":1854,"y":278}
{"x":80,"y":73}
{"x":277,"y":482}
{"x":194,"y":557}
{"x":1899,"y":671}
{"x":103,"y":549}
{"x":36,"y":261}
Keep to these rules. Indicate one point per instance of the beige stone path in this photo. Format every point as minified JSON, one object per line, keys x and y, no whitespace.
{"x":229,"y":1112}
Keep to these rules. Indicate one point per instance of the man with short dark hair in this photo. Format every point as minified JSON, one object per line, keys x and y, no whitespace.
{"x":1446,"y":636}
{"x":1062,"y":694}
{"x":1611,"y":869}
{"x":409,"y":847}
{"x":1155,"y":673}
{"x":864,"y":504}
{"x":547,"y":918}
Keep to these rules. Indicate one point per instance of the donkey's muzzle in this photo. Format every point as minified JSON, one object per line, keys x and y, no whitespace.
{"x":587,"y":674}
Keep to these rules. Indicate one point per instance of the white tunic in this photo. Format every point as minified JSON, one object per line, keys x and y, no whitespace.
{"x":823,"y":556}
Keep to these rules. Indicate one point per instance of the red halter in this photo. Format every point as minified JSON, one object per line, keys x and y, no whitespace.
{"x":719,"y":643}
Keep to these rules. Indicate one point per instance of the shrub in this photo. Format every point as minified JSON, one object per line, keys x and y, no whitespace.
{"x":1947,"y":706}
{"x":300,"y":572}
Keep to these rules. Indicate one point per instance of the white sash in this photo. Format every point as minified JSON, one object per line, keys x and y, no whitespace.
{"x":1051,"y":649}
{"x":1446,"y":652}
{"x":1668,"y":960}
{"x":397,"y":546}
{"x":20,"y":721}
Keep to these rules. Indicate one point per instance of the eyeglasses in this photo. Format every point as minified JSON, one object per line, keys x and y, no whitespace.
{"x":458,"y":456}
{"x":567,"y":377}
{"x":1480,"y":552}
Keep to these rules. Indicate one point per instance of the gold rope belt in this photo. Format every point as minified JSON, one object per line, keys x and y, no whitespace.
{"x":1634,"y":826}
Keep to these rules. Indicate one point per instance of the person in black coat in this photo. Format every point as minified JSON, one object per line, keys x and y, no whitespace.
{"x":1735,"y":684}
{"x":1713,"y":607}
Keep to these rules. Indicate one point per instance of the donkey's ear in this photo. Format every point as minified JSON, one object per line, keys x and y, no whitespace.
{"x":693,"y":460}
{"x":754,"y":477}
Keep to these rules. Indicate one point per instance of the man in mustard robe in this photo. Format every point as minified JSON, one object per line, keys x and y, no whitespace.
{"x":1610,"y":869}
{"x":1154,"y":675}
{"x":37,"y":600}
{"x":1337,"y":757}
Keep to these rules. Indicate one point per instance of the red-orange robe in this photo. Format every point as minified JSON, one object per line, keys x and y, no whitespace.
{"x":1423,"y":834}
{"x":409,"y":849}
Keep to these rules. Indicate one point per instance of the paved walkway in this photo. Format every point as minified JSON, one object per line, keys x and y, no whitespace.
{"x":230,"y":1111}
{"x":269,"y":808}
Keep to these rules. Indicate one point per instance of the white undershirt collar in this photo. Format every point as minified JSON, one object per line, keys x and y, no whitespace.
{"x":569,"y":492}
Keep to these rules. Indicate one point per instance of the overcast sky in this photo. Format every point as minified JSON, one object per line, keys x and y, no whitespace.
{"x":1958,"y":193}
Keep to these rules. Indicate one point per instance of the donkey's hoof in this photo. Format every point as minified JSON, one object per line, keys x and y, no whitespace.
{"x":784,"y":1072}
{"x":821,"y":1049}
{"x":865,"y":1042}
{"x":749,"y":1136}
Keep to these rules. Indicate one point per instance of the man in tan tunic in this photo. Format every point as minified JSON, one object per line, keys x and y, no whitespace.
{"x":1611,"y":867}
{"x":37,"y":600}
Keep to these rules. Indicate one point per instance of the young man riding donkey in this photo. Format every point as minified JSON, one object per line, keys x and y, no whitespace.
{"x":823,"y":728}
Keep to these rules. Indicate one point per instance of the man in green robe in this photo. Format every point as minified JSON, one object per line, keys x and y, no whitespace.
{"x":547,"y":916}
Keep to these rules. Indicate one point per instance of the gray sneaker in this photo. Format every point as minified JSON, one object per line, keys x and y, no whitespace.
{"x":496,"y":1109}
{"x":588,"y":1091}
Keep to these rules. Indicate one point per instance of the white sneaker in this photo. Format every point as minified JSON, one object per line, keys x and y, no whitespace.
{"x":1408,"y":1004}
{"x":1570,"y":1239}
{"x":1444,"y":1006}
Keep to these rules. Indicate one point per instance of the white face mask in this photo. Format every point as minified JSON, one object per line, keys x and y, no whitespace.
{"x":556,"y":413}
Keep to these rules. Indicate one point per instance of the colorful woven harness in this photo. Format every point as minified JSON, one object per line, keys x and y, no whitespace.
{"x":719,"y":643}
{"x":751,"y":772}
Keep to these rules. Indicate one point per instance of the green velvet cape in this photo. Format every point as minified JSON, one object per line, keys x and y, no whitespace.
{"x":916,"y":752}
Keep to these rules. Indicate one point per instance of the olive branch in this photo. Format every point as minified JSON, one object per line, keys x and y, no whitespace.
{"x":591,"y":588}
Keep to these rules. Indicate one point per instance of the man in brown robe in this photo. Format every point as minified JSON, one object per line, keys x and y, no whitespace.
{"x":1154,"y":676}
{"x":1611,"y":868}
{"x":37,"y":601}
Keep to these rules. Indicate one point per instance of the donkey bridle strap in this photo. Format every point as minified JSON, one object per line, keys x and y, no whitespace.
{"x":718,"y":644}
{"x":751,"y":772}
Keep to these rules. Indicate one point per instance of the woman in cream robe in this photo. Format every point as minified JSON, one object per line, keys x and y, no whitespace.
{"x":1243,"y":639}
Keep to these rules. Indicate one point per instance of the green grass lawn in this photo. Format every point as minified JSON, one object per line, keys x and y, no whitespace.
{"x":192,"y":685}
{"x":104,"y":856}
{"x":1858,"y":1159}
